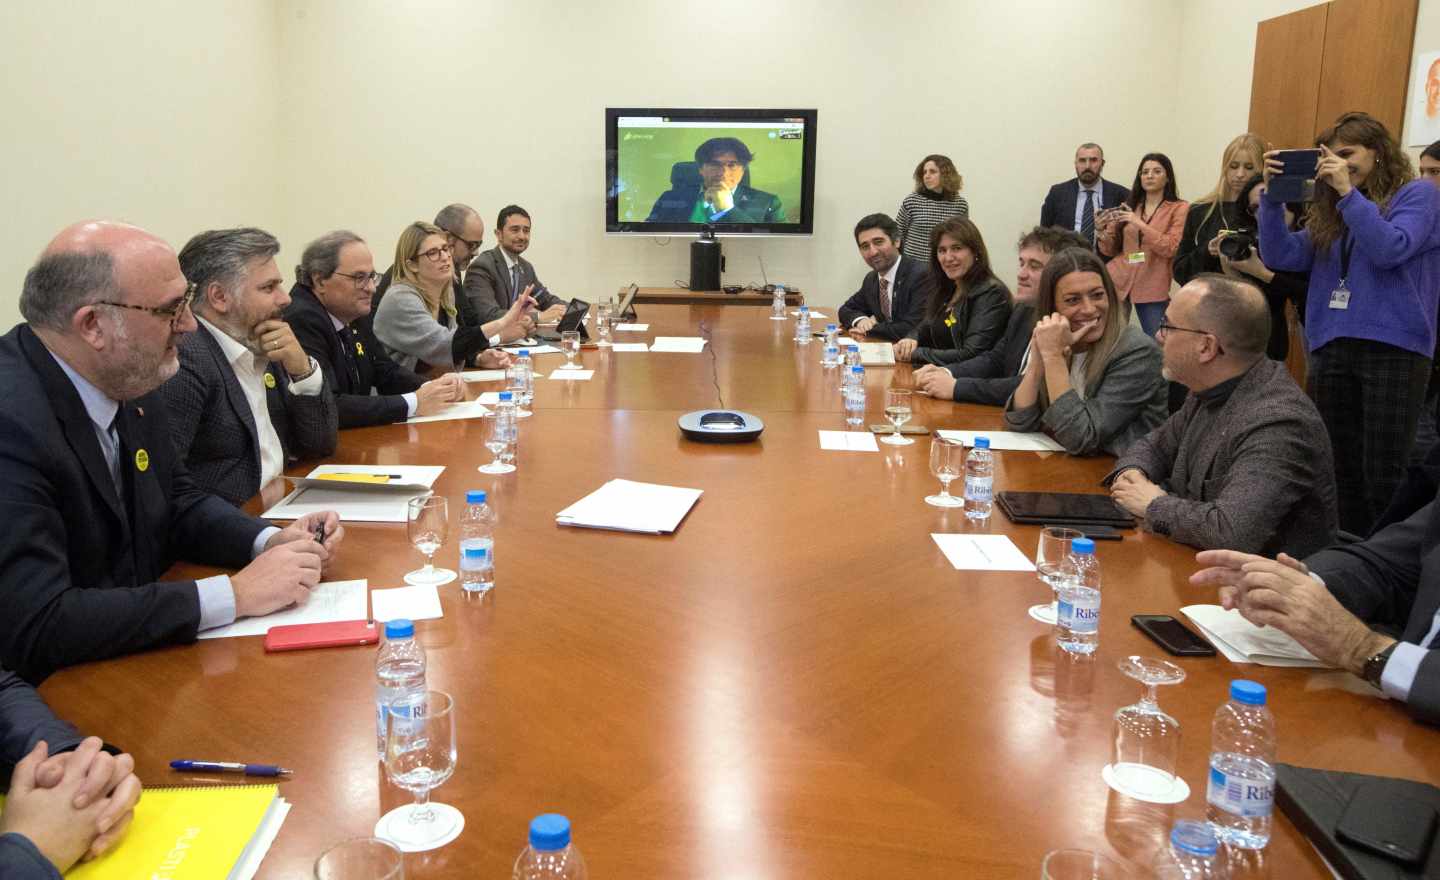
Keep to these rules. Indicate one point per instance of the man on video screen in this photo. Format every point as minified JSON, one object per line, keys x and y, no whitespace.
{"x":718,"y":193}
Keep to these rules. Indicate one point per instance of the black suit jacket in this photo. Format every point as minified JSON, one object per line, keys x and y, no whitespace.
{"x":351,"y":370}
{"x":213,"y":430}
{"x":913,"y":285}
{"x":78,"y":567}
{"x":677,"y":205}
{"x":1059,"y":206}
{"x":974,"y":326}
{"x":487,"y":286}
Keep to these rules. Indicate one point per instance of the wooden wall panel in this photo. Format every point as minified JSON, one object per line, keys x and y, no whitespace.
{"x":1285,"y":90}
{"x":1368,"y":46}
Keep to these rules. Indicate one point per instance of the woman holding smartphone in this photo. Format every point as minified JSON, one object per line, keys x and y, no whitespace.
{"x":1141,"y":236}
{"x":1372,"y":246}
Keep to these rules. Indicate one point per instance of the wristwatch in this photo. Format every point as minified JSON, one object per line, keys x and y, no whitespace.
{"x":1375,"y":665}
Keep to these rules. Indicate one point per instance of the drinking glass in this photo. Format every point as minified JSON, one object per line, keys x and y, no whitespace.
{"x":947,"y":460}
{"x":428,"y":522}
{"x":570,"y":343}
{"x":360,"y":858}
{"x":515,"y":384}
{"x":498,"y":437}
{"x":1052,"y":564}
{"x":420,"y":756}
{"x":897,"y":412}
{"x":603,"y":315}
{"x":1147,"y":741}
{"x":1080,"y":864}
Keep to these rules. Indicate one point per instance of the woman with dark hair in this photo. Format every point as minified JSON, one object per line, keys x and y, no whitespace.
{"x":1091,"y":379}
{"x":968,"y":306}
{"x":936,"y":199}
{"x":1141,"y":236}
{"x":1430,"y":163}
{"x":1371,"y":243}
{"x":1277,"y":286}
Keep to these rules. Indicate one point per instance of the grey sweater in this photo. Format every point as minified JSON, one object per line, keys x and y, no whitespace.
{"x":1129,"y":399}
{"x":1251,"y":473}
{"x":409,"y":334}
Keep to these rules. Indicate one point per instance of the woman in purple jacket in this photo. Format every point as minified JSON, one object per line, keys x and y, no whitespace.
{"x":1372,"y":246}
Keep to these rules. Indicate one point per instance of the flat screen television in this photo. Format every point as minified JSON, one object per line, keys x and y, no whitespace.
{"x":674,"y":171}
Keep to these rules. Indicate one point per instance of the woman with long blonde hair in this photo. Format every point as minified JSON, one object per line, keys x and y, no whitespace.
{"x":1372,"y":246}
{"x":1216,"y":215}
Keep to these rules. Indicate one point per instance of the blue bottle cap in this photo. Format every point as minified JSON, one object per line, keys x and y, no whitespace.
{"x":549,"y":832}
{"x":982,"y":442}
{"x":831,"y":327}
{"x":805,"y":309}
{"x":505,"y":396}
{"x":524,"y":352}
{"x":399,"y":628}
{"x":1082,"y":546}
{"x":857,"y":369}
{"x":1250,"y":693}
{"x":474,"y":552}
{"x":475,"y":496}
{"x":1194,"y":837}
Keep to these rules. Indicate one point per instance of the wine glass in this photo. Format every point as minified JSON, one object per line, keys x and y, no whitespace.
{"x":570,"y":343}
{"x":428,"y":522}
{"x":947,"y":459}
{"x":361,"y":858}
{"x":603,"y":315}
{"x":515,"y":384}
{"x":1080,"y":864}
{"x":897,"y":412}
{"x":499,"y":433}
{"x":1052,"y":564}
{"x":420,"y":756}
{"x":1147,"y":741}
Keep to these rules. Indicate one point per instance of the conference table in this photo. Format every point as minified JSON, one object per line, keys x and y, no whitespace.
{"x":796,"y":683}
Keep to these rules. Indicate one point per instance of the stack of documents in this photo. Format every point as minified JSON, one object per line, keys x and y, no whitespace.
{"x":627,"y":506}
{"x":1011,"y":440}
{"x":1243,"y":642}
{"x":680,"y":344}
{"x":358,"y":492}
{"x":877,"y":354}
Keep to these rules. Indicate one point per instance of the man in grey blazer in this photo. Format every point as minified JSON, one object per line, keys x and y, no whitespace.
{"x":497,"y":276}
{"x":1245,"y":463}
{"x":247,"y":399}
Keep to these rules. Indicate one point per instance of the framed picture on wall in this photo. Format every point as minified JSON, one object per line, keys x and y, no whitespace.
{"x":1423,"y":125}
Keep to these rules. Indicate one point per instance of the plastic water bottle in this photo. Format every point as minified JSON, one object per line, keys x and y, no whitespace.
{"x":832,"y":334}
{"x":399,"y":673}
{"x":477,"y":544}
{"x":802,"y":326}
{"x":777,"y":304}
{"x":522,"y":403}
{"x":1241,"y":791}
{"x":550,"y":855}
{"x":979,"y":480}
{"x":854,"y":376}
{"x":505,"y":414}
{"x":830,"y":356}
{"x":1077,"y":617}
{"x":854,"y":401}
{"x":1193,"y":854}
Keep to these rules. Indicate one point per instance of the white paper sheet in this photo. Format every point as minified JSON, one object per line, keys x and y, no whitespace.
{"x":1011,"y":440}
{"x":848,"y":441}
{"x":629,"y":346}
{"x":414,"y":603}
{"x":636,"y":328}
{"x":248,"y":865}
{"x":814,"y":316}
{"x":877,"y":354}
{"x":982,"y":552}
{"x":358,"y":502}
{"x":483,"y":375}
{"x":465,"y":409}
{"x":1243,"y":642}
{"x":572,"y":375}
{"x":628,"y":506}
{"x":533,"y":349}
{"x":681,"y":344}
{"x":328,"y":602}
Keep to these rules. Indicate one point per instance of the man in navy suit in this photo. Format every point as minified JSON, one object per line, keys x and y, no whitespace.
{"x":1074,"y":204}
{"x":891,"y":300}
{"x":96,"y":504}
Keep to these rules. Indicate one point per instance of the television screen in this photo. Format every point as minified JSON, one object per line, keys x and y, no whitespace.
{"x":675,"y":171}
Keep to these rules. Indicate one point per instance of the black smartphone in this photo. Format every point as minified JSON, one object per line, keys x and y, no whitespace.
{"x":1387,"y":824}
{"x":1172,"y":635}
{"x":1093,"y":531}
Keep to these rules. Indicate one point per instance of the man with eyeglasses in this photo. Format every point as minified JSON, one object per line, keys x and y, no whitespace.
{"x":1245,"y":464}
{"x":330,"y":313}
{"x":464,"y":233}
{"x":716,"y":189}
{"x":97,"y":504}
{"x":499,"y":275}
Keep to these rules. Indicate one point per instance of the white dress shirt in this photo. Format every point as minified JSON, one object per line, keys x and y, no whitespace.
{"x":1404,"y":664}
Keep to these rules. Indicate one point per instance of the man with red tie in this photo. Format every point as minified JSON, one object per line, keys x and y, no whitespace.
{"x":891,"y":300}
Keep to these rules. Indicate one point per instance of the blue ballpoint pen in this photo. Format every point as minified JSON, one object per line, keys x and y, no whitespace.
{"x":224,"y":767}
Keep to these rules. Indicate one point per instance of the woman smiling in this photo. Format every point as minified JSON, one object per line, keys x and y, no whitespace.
{"x":968,"y":307}
{"x":1091,"y":379}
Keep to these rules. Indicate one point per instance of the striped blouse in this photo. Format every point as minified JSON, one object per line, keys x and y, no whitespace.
{"x":920,"y":214}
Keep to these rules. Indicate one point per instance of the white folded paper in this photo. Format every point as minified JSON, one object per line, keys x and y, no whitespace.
{"x":629,"y":346}
{"x":877,"y":354}
{"x":680,"y":344}
{"x":628,"y":506}
{"x":357,"y":502}
{"x":327,"y":603}
{"x":1011,"y":440}
{"x":411,"y":603}
{"x":483,"y":375}
{"x":465,"y":409}
{"x":533,"y":349}
{"x":848,"y":441}
{"x":982,"y":552}
{"x":638,"y":328}
{"x":814,"y":316}
{"x":1243,"y":642}
{"x":572,"y":375}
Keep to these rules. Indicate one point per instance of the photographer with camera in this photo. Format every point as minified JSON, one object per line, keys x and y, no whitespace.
{"x":1217,"y":214}
{"x":1372,"y":246}
{"x":1240,"y":258}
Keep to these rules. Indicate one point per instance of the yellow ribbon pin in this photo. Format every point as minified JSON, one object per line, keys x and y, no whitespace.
{"x":269,"y":380}
{"x":949,"y":320}
{"x":359,"y":349}
{"x":142,"y":460}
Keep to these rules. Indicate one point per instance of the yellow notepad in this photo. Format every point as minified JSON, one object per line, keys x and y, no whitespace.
{"x":377,"y":479}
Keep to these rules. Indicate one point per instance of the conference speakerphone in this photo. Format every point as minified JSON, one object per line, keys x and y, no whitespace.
{"x":720,"y":426}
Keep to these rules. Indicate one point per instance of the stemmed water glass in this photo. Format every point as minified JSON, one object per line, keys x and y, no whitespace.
{"x":420,"y":755}
{"x":897,"y":412}
{"x":603,"y":316}
{"x":428,"y":522}
{"x":499,"y":434}
{"x":1053,"y":565}
{"x":947,"y":459}
{"x":1147,"y":741}
{"x":1080,"y":864}
{"x":360,"y":858}
{"x":570,"y":344}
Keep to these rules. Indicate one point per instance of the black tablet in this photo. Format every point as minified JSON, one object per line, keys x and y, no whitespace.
{"x":1063,"y":509}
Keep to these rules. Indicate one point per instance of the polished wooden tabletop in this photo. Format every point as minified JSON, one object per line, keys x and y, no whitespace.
{"x":794,"y":684}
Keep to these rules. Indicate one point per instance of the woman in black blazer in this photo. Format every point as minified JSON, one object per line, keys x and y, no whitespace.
{"x":968,"y":306}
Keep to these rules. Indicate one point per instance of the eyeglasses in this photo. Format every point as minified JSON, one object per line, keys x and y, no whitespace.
{"x":728,"y":166}
{"x":169,"y":313}
{"x":471,"y":246}
{"x":1166,"y":327}
{"x":435,"y":254}
{"x":361,"y":279}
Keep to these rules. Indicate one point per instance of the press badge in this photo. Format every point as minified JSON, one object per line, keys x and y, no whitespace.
{"x":1137,"y":257}
{"x":1340,"y":297}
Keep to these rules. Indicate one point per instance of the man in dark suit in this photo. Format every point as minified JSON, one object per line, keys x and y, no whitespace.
{"x":330,"y":313}
{"x":891,"y":300}
{"x":717,"y":190}
{"x":96,"y":504}
{"x":500,"y":274}
{"x":69,"y":798}
{"x":1074,"y":204}
{"x":248,"y":399}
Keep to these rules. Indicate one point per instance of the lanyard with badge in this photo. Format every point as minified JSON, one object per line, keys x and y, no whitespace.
{"x":1138,"y":255}
{"x":1340,"y":296}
